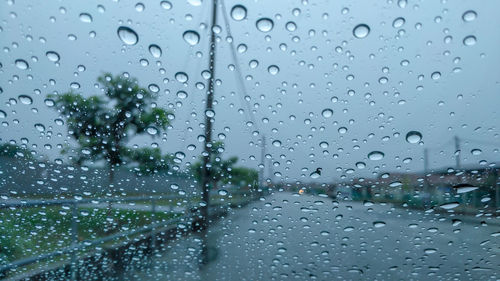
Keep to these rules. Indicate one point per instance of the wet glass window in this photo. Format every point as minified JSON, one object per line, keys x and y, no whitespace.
{"x":249,"y":140}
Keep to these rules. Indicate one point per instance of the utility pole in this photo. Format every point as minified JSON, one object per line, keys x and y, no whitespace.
{"x":426,"y":161}
{"x":205,"y":174}
{"x":457,"y":153}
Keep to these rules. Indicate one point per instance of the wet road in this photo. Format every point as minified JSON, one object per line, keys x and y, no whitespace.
{"x":306,"y":237}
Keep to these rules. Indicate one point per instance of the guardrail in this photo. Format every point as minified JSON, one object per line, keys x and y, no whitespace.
{"x":76,"y":246}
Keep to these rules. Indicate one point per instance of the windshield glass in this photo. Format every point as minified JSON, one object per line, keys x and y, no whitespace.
{"x":254,"y":140}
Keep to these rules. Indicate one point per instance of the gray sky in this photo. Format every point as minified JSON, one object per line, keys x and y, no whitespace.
{"x":322,"y":60}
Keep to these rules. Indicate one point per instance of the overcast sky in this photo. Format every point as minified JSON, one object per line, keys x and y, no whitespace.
{"x":379,"y":87}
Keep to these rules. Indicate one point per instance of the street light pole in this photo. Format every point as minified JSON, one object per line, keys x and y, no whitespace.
{"x":209,"y":119}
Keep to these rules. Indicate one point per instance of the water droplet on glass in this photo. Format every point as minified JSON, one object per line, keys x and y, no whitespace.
{"x":52,"y":56}
{"x":127,"y":35}
{"x":152,"y":130}
{"x":469,"y":15}
{"x":195,"y":2}
{"x":154,"y":88}
{"x":139,"y":7}
{"x":40,"y":127}
{"x":181,"y":77}
{"x":277,"y":143}
{"x":342,"y":130}
{"x":327,"y":113}
{"x":376,"y":155}
{"x":464,"y":188}
{"x":378,"y":224}
{"x":413,"y":137}
{"x":361,"y":31}
{"x":21,"y":64}
{"x":182,"y":94}
{"x":436,"y":75}
{"x":265,"y":24}
{"x":84,"y":17}
{"x":291,"y":26}
{"x":191,"y":37}
{"x":166,"y":5}
{"x":476,"y":152}
{"x":316,"y":174}
{"x":3,"y":114}
{"x":360,"y":165}
{"x":155,"y":50}
{"x":222,"y":192}
{"x":24,"y":99}
{"x":470,"y":40}
{"x":398,"y":22}
{"x":273,"y":69}
{"x":238,"y":12}
{"x":449,"y":206}
{"x":210,"y":113}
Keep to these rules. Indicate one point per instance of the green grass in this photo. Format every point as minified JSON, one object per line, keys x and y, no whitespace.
{"x":26,"y":232}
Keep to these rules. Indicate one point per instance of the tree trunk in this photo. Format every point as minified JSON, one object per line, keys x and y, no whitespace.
{"x":111,"y":178}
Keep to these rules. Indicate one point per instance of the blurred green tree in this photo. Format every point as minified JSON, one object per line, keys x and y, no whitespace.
{"x":15,"y":151}
{"x":102,"y":125}
{"x":224,"y":170}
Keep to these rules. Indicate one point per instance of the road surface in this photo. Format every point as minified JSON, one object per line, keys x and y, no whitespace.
{"x":303,"y":237}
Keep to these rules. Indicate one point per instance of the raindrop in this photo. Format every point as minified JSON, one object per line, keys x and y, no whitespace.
{"x":154,"y":88}
{"x":476,"y":152}
{"x":413,"y":137}
{"x":273,"y":69}
{"x":127,"y":35}
{"x":470,"y":40}
{"x":24,"y":99}
{"x":361,"y":31}
{"x":316,"y":174}
{"x":265,"y":24}
{"x":342,"y":130}
{"x":291,"y":26}
{"x":191,"y":37}
{"x":182,"y":94}
{"x":238,"y":12}
{"x":49,"y":102}
{"x":449,"y":206}
{"x":166,"y":5}
{"x":210,"y":113}
{"x":21,"y":64}
{"x":40,"y":127}
{"x":395,"y":184}
{"x":469,"y":15}
{"x":360,"y":165}
{"x":277,"y":143}
{"x":378,"y":224}
{"x":52,"y":56}
{"x":348,"y":229}
{"x":397,"y":23}
{"x":3,"y":114}
{"x":182,"y":77}
{"x":155,"y":50}
{"x":84,"y":17}
{"x":376,"y":155}
{"x":464,"y":188}
{"x":139,"y":7}
{"x":195,"y":2}
{"x":436,"y":75}
{"x":327,"y":113}
{"x":222,"y":192}
{"x":430,"y":251}
{"x":152,"y":130}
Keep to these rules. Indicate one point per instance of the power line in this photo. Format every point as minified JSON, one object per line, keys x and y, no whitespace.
{"x":239,"y":76}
